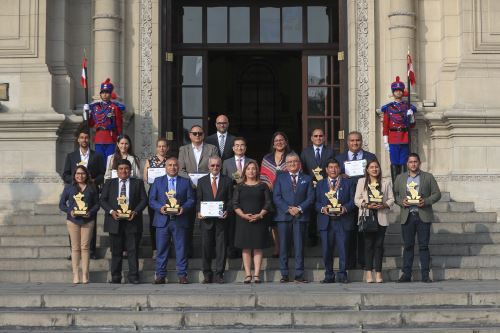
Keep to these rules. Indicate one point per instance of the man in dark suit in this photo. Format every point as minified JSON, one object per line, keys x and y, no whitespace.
{"x":124,"y":232}
{"x":232,"y":168}
{"x":171,"y":225}
{"x":313,"y":157}
{"x":416,"y":218}
{"x":334,"y":227}
{"x":293,"y":196}
{"x":214,"y":187}
{"x":94,"y":163}
{"x":355,"y":244}
{"x":222,"y":139}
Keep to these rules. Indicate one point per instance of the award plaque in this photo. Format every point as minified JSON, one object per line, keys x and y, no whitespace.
{"x":81,"y":208}
{"x":172,"y":207}
{"x":375,"y":196}
{"x":334,"y":206}
{"x":413,"y":197}
{"x":124,"y":211}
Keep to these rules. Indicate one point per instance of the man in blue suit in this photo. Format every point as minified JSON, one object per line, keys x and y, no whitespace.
{"x":293,"y":196}
{"x":171,"y":226}
{"x":355,"y":243}
{"x":334,"y":228}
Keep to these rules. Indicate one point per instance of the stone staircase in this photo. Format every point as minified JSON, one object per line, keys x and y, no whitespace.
{"x":465,"y":245}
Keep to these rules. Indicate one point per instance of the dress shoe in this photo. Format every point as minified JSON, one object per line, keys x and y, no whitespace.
{"x":301,"y":279}
{"x":284,"y":279}
{"x":332,"y":280}
{"x":183,"y":280}
{"x":404,"y":278}
{"x":219,"y":279}
{"x":426,"y":279}
{"x":343,"y":280}
{"x":207,"y":279}
{"x":160,"y":280}
{"x":116,"y":281}
{"x":134,"y":281}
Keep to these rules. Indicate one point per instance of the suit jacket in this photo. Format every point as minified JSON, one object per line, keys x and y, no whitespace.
{"x":308,"y":159}
{"x":346,"y":199}
{"x":284,"y":196}
{"x":138,"y":201}
{"x":345,"y":157}
{"x":95,"y":166}
{"x":229,"y":166}
{"x":228,"y":145}
{"x":204,"y":193}
{"x":187,"y":161}
{"x":184,"y":194}
{"x":428,"y":190}
{"x":388,"y":198}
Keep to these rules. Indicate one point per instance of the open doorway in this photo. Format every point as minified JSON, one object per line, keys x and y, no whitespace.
{"x":260,"y":92}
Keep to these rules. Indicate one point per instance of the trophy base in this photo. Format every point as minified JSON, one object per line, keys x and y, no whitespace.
{"x":334,"y":210}
{"x":413,"y":201}
{"x":375,"y":200}
{"x":123,"y":215}
{"x":79,"y":213}
{"x":172,"y":210}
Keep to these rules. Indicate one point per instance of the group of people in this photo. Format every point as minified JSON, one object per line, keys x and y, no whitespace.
{"x":273,"y":204}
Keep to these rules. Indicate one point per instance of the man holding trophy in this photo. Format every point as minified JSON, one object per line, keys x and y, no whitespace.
{"x":172,"y":198}
{"x":335,"y":206}
{"x":123,"y":199}
{"x":415,"y":192}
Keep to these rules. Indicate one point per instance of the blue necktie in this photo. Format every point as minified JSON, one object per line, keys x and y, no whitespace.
{"x":171,"y":184}
{"x":355,"y":156}
{"x":318,"y":157}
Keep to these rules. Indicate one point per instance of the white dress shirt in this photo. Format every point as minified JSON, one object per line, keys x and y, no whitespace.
{"x":197,"y":154}
{"x":84,"y":158}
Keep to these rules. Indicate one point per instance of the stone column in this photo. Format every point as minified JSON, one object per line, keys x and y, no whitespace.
{"x":107,"y":36}
{"x":402,"y":30}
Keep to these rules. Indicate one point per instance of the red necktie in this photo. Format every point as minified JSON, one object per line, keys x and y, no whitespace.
{"x":214,"y":186}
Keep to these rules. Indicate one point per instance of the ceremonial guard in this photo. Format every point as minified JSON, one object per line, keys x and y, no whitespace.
{"x":398,"y":119}
{"x":105,"y":117}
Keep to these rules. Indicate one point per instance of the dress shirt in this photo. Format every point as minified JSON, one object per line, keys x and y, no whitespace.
{"x":216,"y":179}
{"x":320,"y":150}
{"x":84,"y":158}
{"x":415,"y":179}
{"x":237,"y":159}
{"x":169,"y":179}
{"x":127,"y":190}
{"x":197,"y":154}
{"x":350,"y":154}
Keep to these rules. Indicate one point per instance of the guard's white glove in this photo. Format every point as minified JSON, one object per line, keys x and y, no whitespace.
{"x":386,"y":142}
{"x":86,"y":109}
{"x":409,"y":113}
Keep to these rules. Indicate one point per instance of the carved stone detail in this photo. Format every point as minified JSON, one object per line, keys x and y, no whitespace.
{"x":31,"y":179}
{"x":468,"y":178}
{"x":146,"y":74}
{"x":362,"y":93}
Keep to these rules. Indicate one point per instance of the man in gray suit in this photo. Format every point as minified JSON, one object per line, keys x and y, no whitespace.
{"x":193,"y":158}
{"x":233,"y":168}
{"x":416,"y":218}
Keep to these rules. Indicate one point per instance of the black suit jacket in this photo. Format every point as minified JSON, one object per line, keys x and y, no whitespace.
{"x":204,"y":193}
{"x":95,"y":166}
{"x":308,"y":159}
{"x":138,"y":201}
{"x":228,"y":145}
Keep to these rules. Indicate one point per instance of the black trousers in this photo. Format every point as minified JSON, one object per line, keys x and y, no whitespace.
{"x":214,"y":240}
{"x":414,"y":225}
{"x":355,"y":245}
{"x":374,"y":248}
{"x":119,"y":243}
{"x":152,"y":229}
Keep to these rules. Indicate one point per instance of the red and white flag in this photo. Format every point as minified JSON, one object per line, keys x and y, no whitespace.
{"x":411,"y":73}
{"x":83,"y":79}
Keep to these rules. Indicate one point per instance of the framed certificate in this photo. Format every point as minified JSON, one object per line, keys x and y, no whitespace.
{"x":195,"y":177}
{"x":154,"y":173}
{"x":355,"y":168}
{"x":212,"y":208}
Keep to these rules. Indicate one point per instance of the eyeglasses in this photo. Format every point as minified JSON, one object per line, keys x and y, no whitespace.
{"x":292,"y":162}
{"x":317,"y":135}
{"x":197,"y":133}
{"x":222,"y":123}
{"x":215,"y":165}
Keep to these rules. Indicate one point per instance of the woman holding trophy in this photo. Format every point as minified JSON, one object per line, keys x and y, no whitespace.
{"x":374,"y":197}
{"x":80,"y":201}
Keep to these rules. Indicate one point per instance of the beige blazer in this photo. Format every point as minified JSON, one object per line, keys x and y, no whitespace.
{"x":361,"y":198}
{"x":134,"y":172}
{"x":187,"y":161}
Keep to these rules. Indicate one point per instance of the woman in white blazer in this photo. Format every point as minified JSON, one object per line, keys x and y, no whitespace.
{"x":374,"y":241}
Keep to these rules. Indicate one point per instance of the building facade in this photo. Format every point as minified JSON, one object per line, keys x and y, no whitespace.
{"x":270,"y":65}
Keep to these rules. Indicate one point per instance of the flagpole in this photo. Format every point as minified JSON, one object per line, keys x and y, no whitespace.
{"x":409,"y":96}
{"x":86,"y":117}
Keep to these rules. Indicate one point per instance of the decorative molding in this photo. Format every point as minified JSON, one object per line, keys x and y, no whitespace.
{"x":402,"y":13}
{"x":362,"y":90}
{"x":146,"y":74}
{"x":403,"y":26}
{"x":23,"y":43}
{"x":31,"y":179}
{"x":484,"y":40}
{"x":468,"y":178}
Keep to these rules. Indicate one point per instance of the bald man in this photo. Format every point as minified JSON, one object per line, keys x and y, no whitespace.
{"x":222,"y":139}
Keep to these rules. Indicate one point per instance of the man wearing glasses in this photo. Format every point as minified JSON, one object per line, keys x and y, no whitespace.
{"x":214,"y":187}
{"x":193,"y":159}
{"x":222,"y":139}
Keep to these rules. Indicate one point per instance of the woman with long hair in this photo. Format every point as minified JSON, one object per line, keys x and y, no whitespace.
{"x":123,"y":151}
{"x":373,"y":185}
{"x":80,"y":227}
{"x":251,"y":203}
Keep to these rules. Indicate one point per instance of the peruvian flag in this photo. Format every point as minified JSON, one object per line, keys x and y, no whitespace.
{"x":83,"y":79}
{"x":411,"y":73}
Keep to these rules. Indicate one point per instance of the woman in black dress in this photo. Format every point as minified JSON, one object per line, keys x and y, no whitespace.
{"x":251,"y":202}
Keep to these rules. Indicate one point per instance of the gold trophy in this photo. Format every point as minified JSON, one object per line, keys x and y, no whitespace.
{"x":413,"y":198}
{"x":171,"y":207}
{"x":124,"y":212}
{"x":81,"y":208}
{"x":375,"y":196}
{"x":317,"y":175}
{"x":237,"y":177}
{"x":334,"y":206}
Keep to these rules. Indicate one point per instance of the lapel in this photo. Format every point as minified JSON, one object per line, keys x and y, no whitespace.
{"x":227,"y":143}
{"x":204,"y":154}
{"x":191,"y":156}
{"x":323,"y":155}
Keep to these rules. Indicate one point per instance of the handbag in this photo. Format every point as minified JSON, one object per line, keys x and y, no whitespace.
{"x":368,"y":222}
